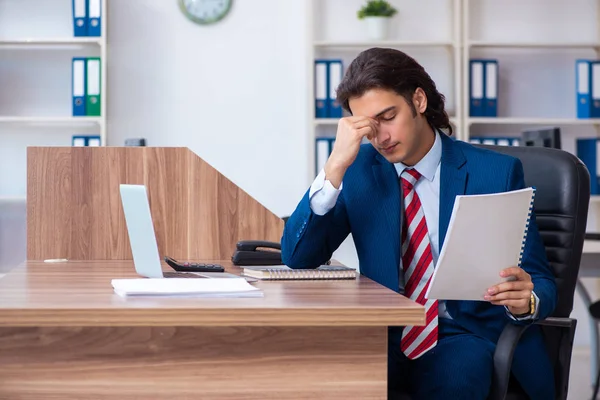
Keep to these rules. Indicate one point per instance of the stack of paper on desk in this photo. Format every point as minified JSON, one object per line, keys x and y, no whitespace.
{"x":217,"y":287}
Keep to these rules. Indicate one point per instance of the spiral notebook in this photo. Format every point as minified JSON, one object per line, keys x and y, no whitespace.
{"x":324,"y":272}
{"x":486,"y":234}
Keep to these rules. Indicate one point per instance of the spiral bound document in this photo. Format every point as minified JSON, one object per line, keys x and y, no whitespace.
{"x":324,"y":272}
{"x":486,"y":234}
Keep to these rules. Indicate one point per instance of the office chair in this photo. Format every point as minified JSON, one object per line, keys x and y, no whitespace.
{"x":562,"y":185}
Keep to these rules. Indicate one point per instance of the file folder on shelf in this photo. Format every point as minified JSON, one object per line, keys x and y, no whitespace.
{"x":79,"y":141}
{"x":323,"y":148}
{"x":476,"y":88}
{"x":79,"y":86}
{"x":588,"y":151}
{"x":93,"y":95}
{"x":595,"y":84}
{"x":321,"y":88}
{"x":94,"y":17}
{"x":583,"y":78}
{"x":490,"y":108}
{"x":497,"y":141}
{"x":335,"y":75}
{"x":93,"y":141}
{"x":86,"y":140}
{"x":80,"y":18}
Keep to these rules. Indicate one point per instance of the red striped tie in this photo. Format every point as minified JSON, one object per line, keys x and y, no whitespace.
{"x":417,"y":263}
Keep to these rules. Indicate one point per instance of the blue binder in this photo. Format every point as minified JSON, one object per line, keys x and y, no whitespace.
{"x":490,"y":74}
{"x":335,"y":75}
{"x":323,"y":147}
{"x":94,"y":17}
{"x":93,"y":141}
{"x":587,"y":152}
{"x":78,"y":88}
{"x":321,"y":88}
{"x":85,"y":140}
{"x":79,"y":141}
{"x":476,"y":88}
{"x":595,"y":89}
{"x":80,"y":18}
{"x":583,"y":81}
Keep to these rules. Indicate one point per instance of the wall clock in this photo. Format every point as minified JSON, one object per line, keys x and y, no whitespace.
{"x":205,"y":12}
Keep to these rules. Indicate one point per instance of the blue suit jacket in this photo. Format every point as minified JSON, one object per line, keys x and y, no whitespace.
{"x":369,"y":207}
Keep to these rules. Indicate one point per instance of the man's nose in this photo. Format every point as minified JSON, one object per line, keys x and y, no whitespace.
{"x":382,"y":137}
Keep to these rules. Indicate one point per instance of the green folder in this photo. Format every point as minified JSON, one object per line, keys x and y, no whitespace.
{"x":94,"y":79}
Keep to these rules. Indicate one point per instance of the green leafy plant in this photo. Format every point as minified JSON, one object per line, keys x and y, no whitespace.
{"x":376,"y":8}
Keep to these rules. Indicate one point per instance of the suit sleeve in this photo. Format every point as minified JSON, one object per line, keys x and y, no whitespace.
{"x":310,"y":238}
{"x":534,"y":259}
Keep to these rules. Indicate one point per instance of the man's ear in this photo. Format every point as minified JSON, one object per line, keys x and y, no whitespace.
{"x":420,"y":100}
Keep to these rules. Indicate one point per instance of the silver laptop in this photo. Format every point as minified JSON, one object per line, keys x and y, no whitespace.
{"x":141,"y":234}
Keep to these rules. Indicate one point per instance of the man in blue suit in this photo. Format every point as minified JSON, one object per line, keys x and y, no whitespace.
{"x":395,"y":195}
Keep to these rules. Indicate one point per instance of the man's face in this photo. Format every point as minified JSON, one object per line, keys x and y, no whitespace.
{"x":401,"y":136}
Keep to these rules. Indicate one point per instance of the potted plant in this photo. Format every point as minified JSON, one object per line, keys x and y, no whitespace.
{"x":376,"y":14}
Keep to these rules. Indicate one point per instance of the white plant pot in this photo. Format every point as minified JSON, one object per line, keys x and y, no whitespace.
{"x":377,"y":27}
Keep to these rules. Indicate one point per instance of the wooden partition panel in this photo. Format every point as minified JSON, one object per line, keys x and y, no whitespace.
{"x":74,"y":208}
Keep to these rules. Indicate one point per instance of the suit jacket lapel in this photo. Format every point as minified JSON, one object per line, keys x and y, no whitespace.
{"x":453,"y":179}
{"x":389,"y":195}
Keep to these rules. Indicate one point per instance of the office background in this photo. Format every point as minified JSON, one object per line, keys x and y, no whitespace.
{"x":240,"y":93}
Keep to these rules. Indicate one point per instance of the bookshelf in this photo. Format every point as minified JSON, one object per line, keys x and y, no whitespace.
{"x":359,"y":45}
{"x":52,"y":120}
{"x":536,"y":44}
{"x":468,"y":29}
{"x":334,"y":32}
{"x":532,"y":45}
{"x":37,"y":45}
{"x":74,"y":41}
{"x":536,"y":68}
{"x":530,"y":121}
{"x":540,"y":54}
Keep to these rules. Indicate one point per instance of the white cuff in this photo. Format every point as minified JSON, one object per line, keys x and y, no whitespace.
{"x":323,"y":195}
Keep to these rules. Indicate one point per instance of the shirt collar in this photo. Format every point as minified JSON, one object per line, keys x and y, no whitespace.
{"x":428,"y":164}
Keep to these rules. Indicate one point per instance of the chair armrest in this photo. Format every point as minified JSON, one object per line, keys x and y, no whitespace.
{"x":505,"y":349}
{"x":503,"y":356}
{"x":558,"y":322}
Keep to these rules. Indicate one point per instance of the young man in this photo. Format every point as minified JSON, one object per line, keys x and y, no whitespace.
{"x":395,"y":195}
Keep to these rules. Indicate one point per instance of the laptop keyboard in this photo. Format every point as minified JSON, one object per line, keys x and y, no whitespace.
{"x":181,"y":275}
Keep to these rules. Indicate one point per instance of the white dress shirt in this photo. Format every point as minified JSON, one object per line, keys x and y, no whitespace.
{"x":323,"y":196}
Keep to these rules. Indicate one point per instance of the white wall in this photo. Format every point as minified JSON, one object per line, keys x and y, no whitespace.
{"x":234,"y":93}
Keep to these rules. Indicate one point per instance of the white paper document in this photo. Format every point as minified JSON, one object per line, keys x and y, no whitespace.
{"x":486,"y":234}
{"x":196,"y":287}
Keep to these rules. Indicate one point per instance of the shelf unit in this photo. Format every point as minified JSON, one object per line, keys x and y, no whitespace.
{"x":532,"y":45}
{"x":36,"y":49}
{"x":382,"y":43}
{"x":347,"y":45}
{"x":53,"y":120}
{"x":334,"y":121}
{"x":561,"y":46}
{"x":334,"y":30}
{"x":530,"y":121}
{"x":28,"y":44}
{"x":74,"y":41}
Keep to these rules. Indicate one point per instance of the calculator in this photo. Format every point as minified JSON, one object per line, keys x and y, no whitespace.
{"x":193,"y":267}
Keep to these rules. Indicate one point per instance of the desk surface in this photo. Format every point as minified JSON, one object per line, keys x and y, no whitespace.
{"x":80,"y":294}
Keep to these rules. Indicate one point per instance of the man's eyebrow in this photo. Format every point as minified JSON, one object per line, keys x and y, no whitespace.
{"x":384,"y":111}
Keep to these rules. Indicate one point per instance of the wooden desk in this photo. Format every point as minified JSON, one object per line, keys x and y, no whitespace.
{"x":64,"y":334}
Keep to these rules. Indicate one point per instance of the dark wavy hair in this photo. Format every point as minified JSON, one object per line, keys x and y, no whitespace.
{"x":381,"y":68}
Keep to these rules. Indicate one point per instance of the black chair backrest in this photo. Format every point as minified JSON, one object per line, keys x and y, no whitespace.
{"x":561,"y":204}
